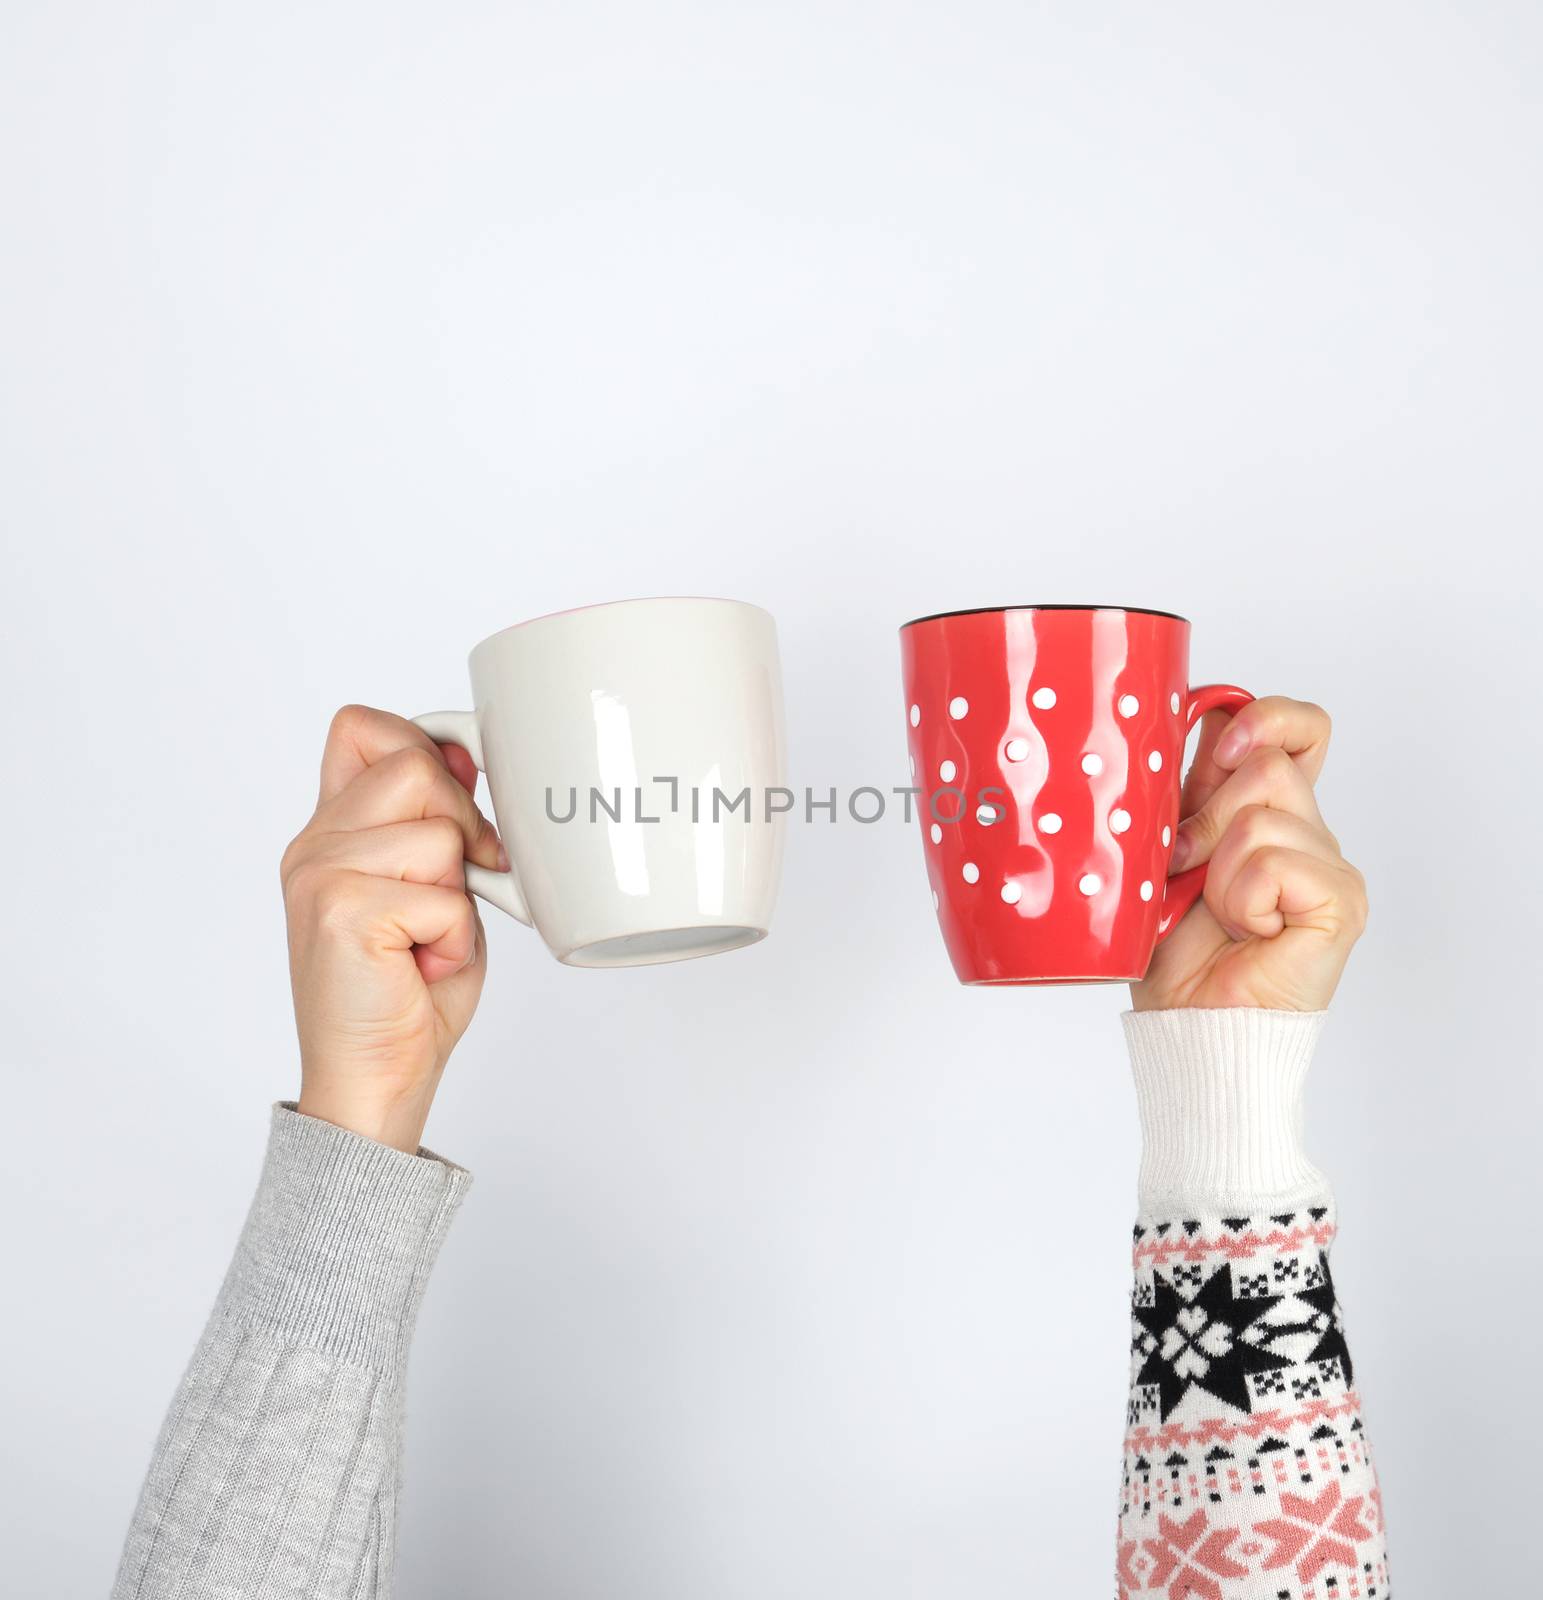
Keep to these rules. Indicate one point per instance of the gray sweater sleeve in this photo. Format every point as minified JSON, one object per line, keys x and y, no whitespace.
{"x":276,"y":1469}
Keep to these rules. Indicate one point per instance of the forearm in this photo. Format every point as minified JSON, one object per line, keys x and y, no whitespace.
{"x":275,"y":1473}
{"x":1247,"y":1474}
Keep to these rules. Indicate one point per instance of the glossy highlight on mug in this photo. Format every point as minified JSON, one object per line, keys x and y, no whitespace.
{"x":594,"y":700}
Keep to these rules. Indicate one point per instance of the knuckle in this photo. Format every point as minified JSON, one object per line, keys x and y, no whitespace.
{"x":1231,"y":901}
{"x":1263,"y":865}
{"x":460,"y":935}
{"x":301,"y":873}
{"x":446,"y":833}
{"x":1234,"y":900}
{"x":449,"y":844}
{"x":1249,"y":828}
{"x":1249,"y":823}
{"x":414,"y":768}
{"x":452,"y":906}
{"x":334,"y":902}
{"x":294,"y":857}
{"x":1271,"y":764}
{"x":1357,"y":904}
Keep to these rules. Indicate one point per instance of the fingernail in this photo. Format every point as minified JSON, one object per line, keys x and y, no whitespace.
{"x":1230,"y":747}
{"x":503,"y":857}
{"x":1183,"y":849}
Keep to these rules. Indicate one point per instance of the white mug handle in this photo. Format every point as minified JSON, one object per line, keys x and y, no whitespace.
{"x":501,"y":889}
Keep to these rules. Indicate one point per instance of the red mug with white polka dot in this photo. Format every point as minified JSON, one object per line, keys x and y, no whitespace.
{"x":1047,"y":742}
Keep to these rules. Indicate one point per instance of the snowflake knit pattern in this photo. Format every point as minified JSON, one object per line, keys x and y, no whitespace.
{"x":1247,"y":1472}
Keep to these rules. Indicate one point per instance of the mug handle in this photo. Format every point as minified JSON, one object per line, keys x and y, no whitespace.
{"x":501,"y":889}
{"x":1183,"y":889}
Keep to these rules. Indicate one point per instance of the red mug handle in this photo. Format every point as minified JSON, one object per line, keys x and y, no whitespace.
{"x":1183,"y":889}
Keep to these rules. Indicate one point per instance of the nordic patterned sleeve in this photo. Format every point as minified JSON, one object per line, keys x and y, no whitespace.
{"x":1247,"y":1473}
{"x":275,"y":1474}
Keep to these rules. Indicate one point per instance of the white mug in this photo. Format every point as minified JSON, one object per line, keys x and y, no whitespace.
{"x":618,"y":742}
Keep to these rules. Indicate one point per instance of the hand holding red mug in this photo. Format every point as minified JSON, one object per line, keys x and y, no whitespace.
{"x":1281,"y":907}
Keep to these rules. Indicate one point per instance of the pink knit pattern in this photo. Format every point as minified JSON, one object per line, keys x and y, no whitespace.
{"x":1247,"y":1471}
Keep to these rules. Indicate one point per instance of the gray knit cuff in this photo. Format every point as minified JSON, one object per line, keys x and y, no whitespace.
{"x":340,"y":1240}
{"x":1219,"y":1094}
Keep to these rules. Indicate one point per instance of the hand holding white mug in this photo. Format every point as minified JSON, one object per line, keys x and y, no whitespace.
{"x":1282,"y":908}
{"x":386,"y":950}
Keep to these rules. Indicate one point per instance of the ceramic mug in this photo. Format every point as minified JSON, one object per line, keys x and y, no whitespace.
{"x":604,"y":733}
{"x":1047,"y":742}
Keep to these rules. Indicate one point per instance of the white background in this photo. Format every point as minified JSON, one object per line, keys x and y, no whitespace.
{"x":335,"y":336}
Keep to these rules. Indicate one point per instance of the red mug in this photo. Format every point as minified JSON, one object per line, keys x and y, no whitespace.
{"x":1047,"y":743}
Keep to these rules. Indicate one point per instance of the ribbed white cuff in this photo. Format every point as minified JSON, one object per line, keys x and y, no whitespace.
{"x":340,"y":1239}
{"x":1219,"y":1094}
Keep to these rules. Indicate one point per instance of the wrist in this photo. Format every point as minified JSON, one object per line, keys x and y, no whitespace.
{"x":1219,"y":1095}
{"x":390,"y":1115}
